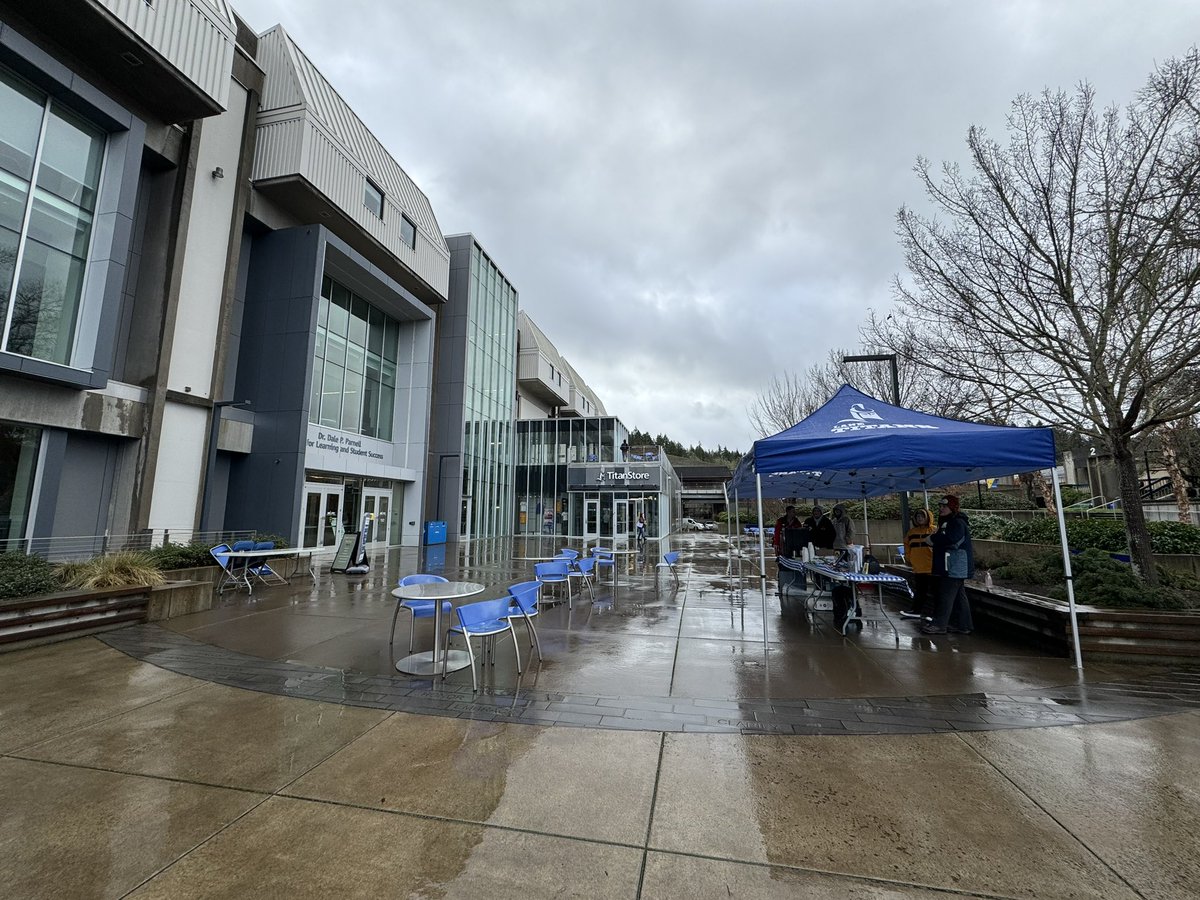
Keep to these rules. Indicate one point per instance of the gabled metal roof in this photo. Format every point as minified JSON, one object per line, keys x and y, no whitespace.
{"x":293,"y":82}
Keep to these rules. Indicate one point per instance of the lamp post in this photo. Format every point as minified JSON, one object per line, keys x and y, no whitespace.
{"x":888,"y":358}
{"x":214,"y":431}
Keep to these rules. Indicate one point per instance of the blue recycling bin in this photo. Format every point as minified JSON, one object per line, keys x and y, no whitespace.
{"x":435,"y":533}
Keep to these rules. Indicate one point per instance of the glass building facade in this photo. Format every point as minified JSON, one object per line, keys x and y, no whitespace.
{"x":474,"y":397}
{"x":559,"y":491}
{"x":50,"y":165}
{"x":19,"y":447}
{"x":354,"y":364}
{"x":489,"y":395}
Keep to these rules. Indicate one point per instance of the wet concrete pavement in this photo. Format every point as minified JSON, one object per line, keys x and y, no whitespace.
{"x":268,"y":748}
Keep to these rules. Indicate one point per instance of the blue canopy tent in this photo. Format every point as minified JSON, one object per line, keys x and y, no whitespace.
{"x":858,"y":446}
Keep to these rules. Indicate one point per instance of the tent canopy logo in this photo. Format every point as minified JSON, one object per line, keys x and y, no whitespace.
{"x":862,"y":418}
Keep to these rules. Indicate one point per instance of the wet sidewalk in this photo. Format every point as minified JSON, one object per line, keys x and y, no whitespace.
{"x":659,"y":750}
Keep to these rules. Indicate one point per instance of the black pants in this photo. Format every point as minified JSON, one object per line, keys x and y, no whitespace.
{"x":953,"y":609}
{"x":925,"y":594}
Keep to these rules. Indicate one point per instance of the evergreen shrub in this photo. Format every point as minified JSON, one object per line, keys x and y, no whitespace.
{"x":24,"y":576}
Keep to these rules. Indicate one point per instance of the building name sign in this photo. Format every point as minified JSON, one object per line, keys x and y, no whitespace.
{"x":341,"y":443}
{"x":613,"y":478}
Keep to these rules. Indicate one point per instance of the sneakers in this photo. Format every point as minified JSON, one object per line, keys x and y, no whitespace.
{"x":933,"y":629}
{"x":954,"y":630}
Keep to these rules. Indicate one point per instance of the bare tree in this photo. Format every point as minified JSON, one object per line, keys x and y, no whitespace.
{"x":790,"y":397}
{"x":1063,"y":273}
{"x":1174,"y":440}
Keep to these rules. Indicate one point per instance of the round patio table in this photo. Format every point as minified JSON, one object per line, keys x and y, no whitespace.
{"x":429,"y":662}
{"x":628,"y":559}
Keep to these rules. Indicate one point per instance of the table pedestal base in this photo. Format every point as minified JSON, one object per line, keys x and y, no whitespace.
{"x":424,"y":663}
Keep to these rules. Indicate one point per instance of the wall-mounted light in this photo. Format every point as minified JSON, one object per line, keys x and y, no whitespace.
{"x":218,"y":172}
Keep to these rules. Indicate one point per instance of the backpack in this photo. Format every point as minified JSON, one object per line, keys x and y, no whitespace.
{"x":870,"y":565}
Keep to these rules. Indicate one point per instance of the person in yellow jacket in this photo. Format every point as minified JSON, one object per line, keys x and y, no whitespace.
{"x":919,"y":553}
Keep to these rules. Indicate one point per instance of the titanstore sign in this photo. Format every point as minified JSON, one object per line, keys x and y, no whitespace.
{"x":623,"y":478}
{"x":613,"y":478}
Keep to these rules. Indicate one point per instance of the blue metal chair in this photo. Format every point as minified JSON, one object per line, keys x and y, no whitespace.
{"x":262,"y":569}
{"x":221,"y":554}
{"x":556,"y":571}
{"x":486,"y":620}
{"x":569,"y":554}
{"x":605,"y":560}
{"x":525,"y":598}
{"x":668,"y":562}
{"x":418,"y":609}
{"x":582,"y":569}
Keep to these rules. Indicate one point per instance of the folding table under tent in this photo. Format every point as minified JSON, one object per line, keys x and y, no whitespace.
{"x":856,"y":446}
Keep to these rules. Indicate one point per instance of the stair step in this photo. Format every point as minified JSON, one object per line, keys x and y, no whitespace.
{"x":28,"y":621}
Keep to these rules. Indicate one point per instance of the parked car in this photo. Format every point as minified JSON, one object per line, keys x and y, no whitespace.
{"x":690,"y":524}
{"x":710,"y":526}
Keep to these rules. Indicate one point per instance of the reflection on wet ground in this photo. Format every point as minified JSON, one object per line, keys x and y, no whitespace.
{"x":268,"y":747}
{"x":642,"y":651}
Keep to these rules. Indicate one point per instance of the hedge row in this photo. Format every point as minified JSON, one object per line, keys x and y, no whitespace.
{"x":1087,"y":534}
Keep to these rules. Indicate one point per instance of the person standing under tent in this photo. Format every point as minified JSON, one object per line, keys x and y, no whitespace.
{"x":954,"y":562}
{"x":820,"y":529}
{"x":790,"y":537}
{"x":843,"y":528}
{"x":789,"y":520}
{"x":919,"y":552}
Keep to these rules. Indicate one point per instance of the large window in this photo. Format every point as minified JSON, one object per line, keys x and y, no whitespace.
{"x":18,"y":464}
{"x":50,"y":162}
{"x":354,"y":364}
{"x":373,"y":199}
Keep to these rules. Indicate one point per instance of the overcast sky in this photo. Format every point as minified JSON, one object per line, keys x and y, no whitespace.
{"x":692,"y":195}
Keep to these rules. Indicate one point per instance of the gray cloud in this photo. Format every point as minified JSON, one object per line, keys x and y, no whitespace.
{"x":692,"y":196}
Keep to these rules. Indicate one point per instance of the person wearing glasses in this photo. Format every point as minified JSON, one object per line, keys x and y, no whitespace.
{"x":954,"y":563}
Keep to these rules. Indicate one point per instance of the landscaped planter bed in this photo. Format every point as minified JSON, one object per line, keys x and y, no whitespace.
{"x":1141,"y":634}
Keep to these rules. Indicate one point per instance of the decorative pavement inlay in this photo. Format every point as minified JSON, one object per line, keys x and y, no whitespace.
{"x":1156,"y":694}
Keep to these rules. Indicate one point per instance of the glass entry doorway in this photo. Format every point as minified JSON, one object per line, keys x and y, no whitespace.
{"x":591,"y":520}
{"x":322,"y":515}
{"x":621,"y":519}
{"x":378,"y":505}
{"x":464,"y":523}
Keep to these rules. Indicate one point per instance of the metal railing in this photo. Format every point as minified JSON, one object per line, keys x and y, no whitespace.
{"x":78,"y":547}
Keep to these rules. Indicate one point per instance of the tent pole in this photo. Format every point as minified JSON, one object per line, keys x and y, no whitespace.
{"x":728,"y":533}
{"x":762,"y":556}
{"x":866,"y":531}
{"x":1066,"y":554}
{"x":737,"y":531}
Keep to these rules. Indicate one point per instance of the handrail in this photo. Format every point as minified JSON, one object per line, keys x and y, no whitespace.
{"x":68,"y":548}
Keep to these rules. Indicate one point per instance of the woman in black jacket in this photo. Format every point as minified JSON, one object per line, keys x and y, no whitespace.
{"x":954,"y":562}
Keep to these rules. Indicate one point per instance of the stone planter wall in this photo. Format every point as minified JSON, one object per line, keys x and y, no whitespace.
{"x":1127,"y":634}
{"x":178,"y":598}
{"x":28,"y":621}
{"x":1142,"y":634}
{"x":210,"y":574}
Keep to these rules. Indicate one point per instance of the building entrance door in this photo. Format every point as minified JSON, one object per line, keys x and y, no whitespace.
{"x":322,"y":515}
{"x":591,"y":520}
{"x":377,"y":504}
{"x":464,"y":525}
{"x":621,"y":519}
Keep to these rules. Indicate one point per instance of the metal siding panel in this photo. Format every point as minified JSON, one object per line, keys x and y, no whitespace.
{"x":195,"y":37}
{"x":329,"y":145}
